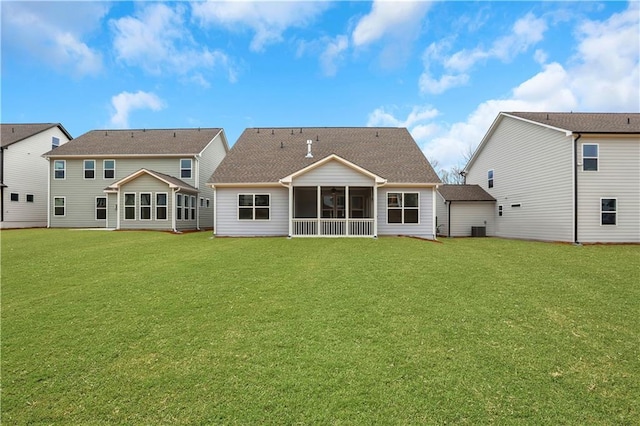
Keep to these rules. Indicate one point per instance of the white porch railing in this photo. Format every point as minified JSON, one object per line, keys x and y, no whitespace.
{"x":332,"y":227}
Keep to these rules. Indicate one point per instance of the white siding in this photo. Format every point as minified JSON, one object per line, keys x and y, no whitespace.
{"x":465,"y":214}
{"x":442,"y":218}
{"x":25,"y":172}
{"x":211,"y":158}
{"x":423,"y":229}
{"x":227,"y":223}
{"x":333,"y":173}
{"x":533,"y":168}
{"x":618,"y":176}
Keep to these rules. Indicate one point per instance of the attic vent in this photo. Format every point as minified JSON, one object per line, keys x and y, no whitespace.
{"x":628,"y":120}
{"x":13,"y":130}
{"x":258,"y":130}
{"x":300,"y":129}
{"x":105,"y":133}
{"x":317,"y":138}
{"x":131,"y":134}
{"x":174,"y":134}
{"x":547,"y":116}
{"x":376,"y":133}
{"x":272,"y":131}
{"x":309,"y":154}
{"x":144,"y":130}
{"x":281,"y":144}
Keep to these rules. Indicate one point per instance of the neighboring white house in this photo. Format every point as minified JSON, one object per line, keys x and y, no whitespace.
{"x":23,"y":172}
{"x":325,"y":182}
{"x":465,"y":211}
{"x":571,"y":177}
{"x":135,"y":179}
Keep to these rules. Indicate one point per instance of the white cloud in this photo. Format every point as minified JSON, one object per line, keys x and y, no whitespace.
{"x":53,"y":33}
{"x":526,"y":32}
{"x":418,"y":114}
{"x":398,"y":18}
{"x":333,"y":53}
{"x":124,"y":103}
{"x":268,"y":20}
{"x":157,"y":40}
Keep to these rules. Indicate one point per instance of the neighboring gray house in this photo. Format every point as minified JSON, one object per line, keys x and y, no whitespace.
{"x":465,"y":211}
{"x":23,"y":172}
{"x":571,"y":177}
{"x":325,"y":182}
{"x":135,"y":179}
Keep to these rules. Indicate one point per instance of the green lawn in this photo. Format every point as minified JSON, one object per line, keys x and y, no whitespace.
{"x":150,"y":328}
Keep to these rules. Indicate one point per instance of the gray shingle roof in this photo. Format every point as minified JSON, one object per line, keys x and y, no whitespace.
{"x":11,"y":133}
{"x":149,"y":142}
{"x":586,"y":122}
{"x":464,"y":193}
{"x":270,"y":154}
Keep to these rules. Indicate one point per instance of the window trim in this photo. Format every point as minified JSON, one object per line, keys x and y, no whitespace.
{"x":63,"y":170}
{"x":253,"y":206}
{"x":104,"y":169}
{"x":183,"y":169}
{"x":500,"y":210}
{"x":402,"y":207}
{"x":194,"y":205}
{"x":129,"y":206}
{"x":185,"y":208}
{"x":146,"y":206}
{"x":614,"y":212}
{"x":164,"y":206}
{"x":490,"y":178}
{"x":106,"y":203}
{"x":207,"y":203}
{"x":597,"y":157}
{"x":85,"y":169}
{"x":32,"y":198}
{"x":178,"y":206}
{"x":64,"y":206}
{"x":17,"y":194}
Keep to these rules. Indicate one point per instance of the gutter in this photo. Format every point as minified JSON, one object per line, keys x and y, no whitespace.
{"x":2,"y":184}
{"x":575,"y":189}
{"x":449,"y":219}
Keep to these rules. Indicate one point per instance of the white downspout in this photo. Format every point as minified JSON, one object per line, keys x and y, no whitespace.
{"x":215,"y":210}
{"x":290,"y":209}
{"x":173,"y":211}
{"x":197,"y":184}
{"x":49,"y":194}
{"x":433,"y":211}
{"x":375,"y":210}
{"x":119,"y":209}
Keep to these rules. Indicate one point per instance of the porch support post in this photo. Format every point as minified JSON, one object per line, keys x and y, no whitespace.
{"x":375,"y":211}
{"x":290,"y":210}
{"x":346,"y":210}
{"x":319,"y":209}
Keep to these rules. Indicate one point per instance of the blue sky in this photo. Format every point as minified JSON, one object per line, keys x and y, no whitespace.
{"x":442,"y":69}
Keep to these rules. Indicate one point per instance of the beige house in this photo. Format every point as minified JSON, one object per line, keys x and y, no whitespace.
{"x":23,"y":172}
{"x":571,"y":177}
{"x":135,"y":179}
{"x":325,"y":182}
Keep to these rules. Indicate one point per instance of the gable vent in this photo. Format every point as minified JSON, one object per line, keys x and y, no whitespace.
{"x":309,"y":154}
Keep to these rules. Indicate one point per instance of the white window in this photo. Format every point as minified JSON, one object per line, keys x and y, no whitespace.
{"x":145,"y":206}
{"x":608,"y":211}
{"x":161,"y":206}
{"x":59,"y":169}
{"x":590,"y":157}
{"x":15,"y":196}
{"x":109,"y":169}
{"x":130,"y":206}
{"x":254,"y":206}
{"x":490,"y":178}
{"x":186,"y":165}
{"x":101,"y":208}
{"x":59,"y":206}
{"x":55,"y":142}
{"x":185,"y":215}
{"x":403,"y":207}
{"x":89,"y":169}
{"x":193,"y":207}
{"x":29,"y":198}
{"x":179,"y":206}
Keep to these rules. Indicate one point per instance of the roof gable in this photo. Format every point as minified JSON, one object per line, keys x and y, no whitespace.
{"x":332,"y":157}
{"x":270,"y":155}
{"x":12,"y":133}
{"x":567,"y":123}
{"x":141,"y":142}
{"x":171,"y":181}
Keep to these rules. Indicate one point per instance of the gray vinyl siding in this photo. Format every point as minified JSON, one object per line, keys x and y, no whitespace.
{"x":533,"y":168}
{"x":618,"y":176}
{"x":25,"y":172}
{"x":466,"y":214}
{"x":227,"y":223}
{"x":333,"y":173}
{"x":148,"y":184}
{"x":423,"y":229}
{"x":81,"y":193}
{"x":112,"y":210}
{"x":207,"y":164}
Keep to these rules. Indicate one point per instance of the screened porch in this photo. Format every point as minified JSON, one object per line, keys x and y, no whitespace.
{"x":320,"y":211}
